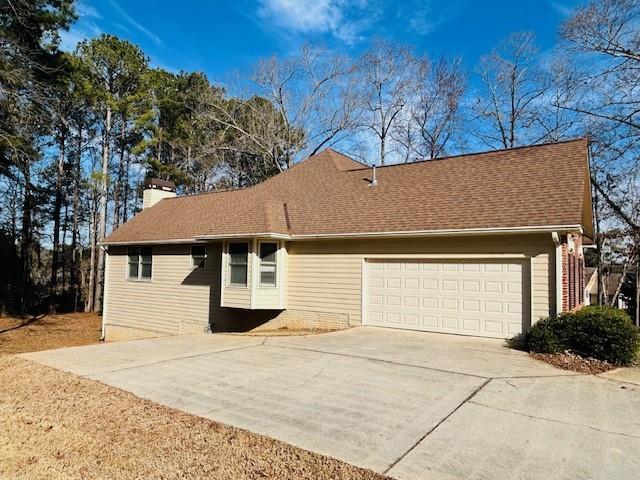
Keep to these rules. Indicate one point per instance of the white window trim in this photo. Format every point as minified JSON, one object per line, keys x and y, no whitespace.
{"x":277,"y":262}
{"x":206,"y":256}
{"x":139,"y":278}
{"x":228,"y":266}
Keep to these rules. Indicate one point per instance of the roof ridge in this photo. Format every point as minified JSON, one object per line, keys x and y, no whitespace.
{"x":484,"y":152}
{"x":330,"y":151}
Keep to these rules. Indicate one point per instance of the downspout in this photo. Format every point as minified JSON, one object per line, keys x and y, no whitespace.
{"x":555,"y":236}
{"x":105,"y":297}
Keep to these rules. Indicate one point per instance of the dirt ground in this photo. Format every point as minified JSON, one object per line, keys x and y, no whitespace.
{"x":568,"y":361}
{"x":56,"y":425}
{"x":45,"y":332}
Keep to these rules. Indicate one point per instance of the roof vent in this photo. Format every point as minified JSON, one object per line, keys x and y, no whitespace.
{"x":374,"y":180}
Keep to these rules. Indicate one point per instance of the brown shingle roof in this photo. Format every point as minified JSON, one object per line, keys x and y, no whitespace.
{"x":329,"y":194}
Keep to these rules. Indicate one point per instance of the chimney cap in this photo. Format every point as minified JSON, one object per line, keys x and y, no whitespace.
{"x":159,"y":184}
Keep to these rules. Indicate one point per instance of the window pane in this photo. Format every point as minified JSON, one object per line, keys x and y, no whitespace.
{"x":268,"y":252}
{"x":198,"y":255}
{"x":146,"y":270}
{"x":197,"y":262}
{"x":145,"y":251}
{"x":239,"y":250}
{"x":133,"y":268}
{"x":238,"y":253}
{"x":267,"y":278}
{"x":268,"y":263}
{"x":238,"y":274}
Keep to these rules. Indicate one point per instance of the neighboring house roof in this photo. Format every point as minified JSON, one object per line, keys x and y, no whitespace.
{"x":329,"y":194}
{"x":612,"y":280}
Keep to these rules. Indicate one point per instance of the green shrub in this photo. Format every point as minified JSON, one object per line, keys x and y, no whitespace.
{"x":543,"y":337}
{"x":604,"y":333}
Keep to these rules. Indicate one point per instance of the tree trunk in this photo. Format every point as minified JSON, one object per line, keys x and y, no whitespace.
{"x":91,"y":294}
{"x":102,"y":222}
{"x":75,"y":265}
{"x":599,"y":247}
{"x":63,"y":263}
{"x":623,"y":277}
{"x":126,"y":192}
{"x":119,"y":184}
{"x":25,"y":239}
{"x":383,"y":142}
{"x":638,"y":291}
{"x":57,"y":207}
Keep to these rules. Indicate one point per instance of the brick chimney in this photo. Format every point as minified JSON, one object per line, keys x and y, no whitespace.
{"x":155,"y":190}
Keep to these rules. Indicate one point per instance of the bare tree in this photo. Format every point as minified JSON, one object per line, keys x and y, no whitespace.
{"x":607,"y":30}
{"x":386,"y":73}
{"x":432,"y":122}
{"x":513,"y":88}
{"x":603,"y":40}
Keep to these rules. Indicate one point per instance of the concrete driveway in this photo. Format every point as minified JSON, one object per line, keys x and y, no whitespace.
{"x":411,"y":405}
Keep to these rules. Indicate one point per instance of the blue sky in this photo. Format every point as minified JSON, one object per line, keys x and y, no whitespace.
{"x":221,"y":37}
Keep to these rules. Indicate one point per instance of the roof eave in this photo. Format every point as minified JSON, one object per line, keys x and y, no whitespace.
{"x":449,"y":232}
{"x":392,"y":234}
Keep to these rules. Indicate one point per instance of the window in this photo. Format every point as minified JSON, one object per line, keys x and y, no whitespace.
{"x":238,"y":253}
{"x":140,"y":263}
{"x":268,"y":264}
{"x":198,"y":256}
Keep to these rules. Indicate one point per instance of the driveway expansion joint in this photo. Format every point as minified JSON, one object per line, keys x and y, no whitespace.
{"x":432,"y":429}
{"x":172,"y":359}
{"x":553,"y":420}
{"x":381,"y":360}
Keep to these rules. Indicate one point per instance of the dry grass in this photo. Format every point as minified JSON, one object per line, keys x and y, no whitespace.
{"x":57,"y":425}
{"x":45,"y":332}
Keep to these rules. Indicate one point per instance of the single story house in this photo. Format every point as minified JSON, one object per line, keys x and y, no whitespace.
{"x":482,"y":244}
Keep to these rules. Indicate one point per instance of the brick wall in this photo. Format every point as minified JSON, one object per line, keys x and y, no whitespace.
{"x":572,"y":273}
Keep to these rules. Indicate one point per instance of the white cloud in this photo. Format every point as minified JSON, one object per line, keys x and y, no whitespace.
{"x":156,"y":39}
{"x":82,"y":30}
{"x":563,"y":10}
{"x":83,"y":10}
{"x":423,"y":17}
{"x":344,"y":19}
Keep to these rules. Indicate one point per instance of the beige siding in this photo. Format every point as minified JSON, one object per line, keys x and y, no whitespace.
{"x":322,"y":282}
{"x":175,"y":301}
{"x":326,"y":276}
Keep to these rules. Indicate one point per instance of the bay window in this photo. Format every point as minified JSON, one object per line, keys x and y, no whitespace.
{"x":268,"y":264}
{"x":238,"y":262}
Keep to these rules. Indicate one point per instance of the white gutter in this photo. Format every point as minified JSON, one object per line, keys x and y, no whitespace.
{"x":391,"y":234}
{"x":278,"y":236}
{"x":438,"y":233}
{"x":105,"y":292}
{"x":148,"y":242}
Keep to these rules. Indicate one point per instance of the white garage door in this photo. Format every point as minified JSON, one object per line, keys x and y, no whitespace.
{"x":482,"y":298}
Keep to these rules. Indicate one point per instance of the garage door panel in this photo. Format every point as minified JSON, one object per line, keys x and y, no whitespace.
{"x":475,"y":298}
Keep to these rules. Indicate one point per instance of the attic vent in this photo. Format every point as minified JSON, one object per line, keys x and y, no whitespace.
{"x":374,"y":180}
